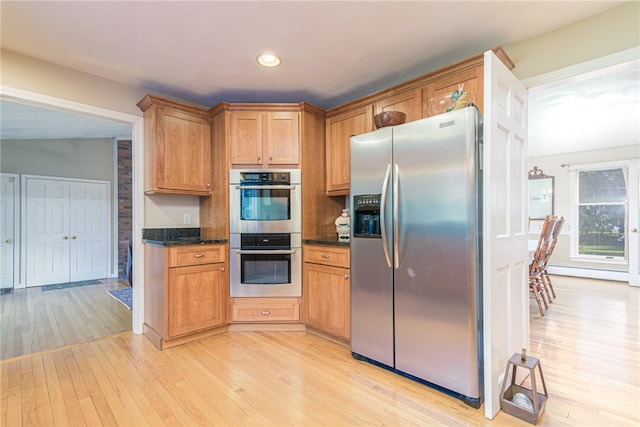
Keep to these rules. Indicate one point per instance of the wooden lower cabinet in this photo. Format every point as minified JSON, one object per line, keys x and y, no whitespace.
{"x":186,"y":289}
{"x":196,"y":298}
{"x":327,"y":289}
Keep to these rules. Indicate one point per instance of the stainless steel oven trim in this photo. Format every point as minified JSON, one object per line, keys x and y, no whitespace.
{"x":235,"y":239}
{"x":262,"y":187}
{"x":266,"y":252}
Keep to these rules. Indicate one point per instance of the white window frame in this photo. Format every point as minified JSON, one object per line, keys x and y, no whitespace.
{"x":574,"y":232}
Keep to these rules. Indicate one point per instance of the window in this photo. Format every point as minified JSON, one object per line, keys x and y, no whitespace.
{"x":602,"y":213}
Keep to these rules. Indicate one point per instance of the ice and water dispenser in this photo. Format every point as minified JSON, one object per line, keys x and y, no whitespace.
{"x":366,"y":212}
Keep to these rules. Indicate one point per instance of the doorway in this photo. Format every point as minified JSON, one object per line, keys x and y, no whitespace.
{"x":136,"y":124}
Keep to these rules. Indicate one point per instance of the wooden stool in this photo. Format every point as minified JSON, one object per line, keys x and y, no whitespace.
{"x":539,"y":399}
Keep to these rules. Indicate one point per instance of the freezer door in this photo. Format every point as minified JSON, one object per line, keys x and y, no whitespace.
{"x":436,"y":281}
{"x":371,"y":274}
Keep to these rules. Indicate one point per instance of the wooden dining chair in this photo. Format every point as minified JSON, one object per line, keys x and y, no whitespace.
{"x":557,"y":227}
{"x":536,"y":283}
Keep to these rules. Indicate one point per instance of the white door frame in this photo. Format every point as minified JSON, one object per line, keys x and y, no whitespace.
{"x":633,"y":233}
{"x":16,"y":225}
{"x":137,"y":124}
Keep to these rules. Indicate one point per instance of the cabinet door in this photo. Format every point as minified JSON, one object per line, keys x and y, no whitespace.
{"x":339,"y":129}
{"x":437,"y":95}
{"x":283,"y":140}
{"x":328,"y":303}
{"x":409,"y":102}
{"x":246,"y":138}
{"x":183,"y":155}
{"x":196,"y":298}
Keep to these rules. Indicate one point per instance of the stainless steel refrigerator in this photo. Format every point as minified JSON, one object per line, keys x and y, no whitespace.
{"x":416,"y":288}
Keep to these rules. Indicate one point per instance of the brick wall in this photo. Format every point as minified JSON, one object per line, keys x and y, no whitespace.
{"x":125,"y":233}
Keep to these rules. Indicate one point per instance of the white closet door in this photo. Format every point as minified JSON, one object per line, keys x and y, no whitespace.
{"x":47,"y":231}
{"x":506,"y":258}
{"x":89,"y":230}
{"x":7,"y":231}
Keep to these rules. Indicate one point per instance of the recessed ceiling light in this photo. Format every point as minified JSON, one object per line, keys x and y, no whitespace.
{"x":268,"y":59}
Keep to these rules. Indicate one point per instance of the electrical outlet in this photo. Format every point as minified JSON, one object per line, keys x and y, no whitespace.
{"x":186,"y":219}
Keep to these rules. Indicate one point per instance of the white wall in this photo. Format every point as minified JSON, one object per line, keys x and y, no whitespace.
{"x":612,"y":31}
{"x":71,"y":158}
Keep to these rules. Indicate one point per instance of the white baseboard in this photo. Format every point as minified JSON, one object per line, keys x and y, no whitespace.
{"x":588,"y":273}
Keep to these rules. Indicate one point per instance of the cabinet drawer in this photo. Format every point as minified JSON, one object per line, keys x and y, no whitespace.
{"x":263,"y":310}
{"x":180,"y":256}
{"x":327,"y":255}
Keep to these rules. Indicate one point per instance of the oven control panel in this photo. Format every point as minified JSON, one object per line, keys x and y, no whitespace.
{"x":256,"y":177}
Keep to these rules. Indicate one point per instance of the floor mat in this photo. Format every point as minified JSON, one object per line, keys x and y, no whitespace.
{"x":70,"y":285}
{"x":124,"y":295}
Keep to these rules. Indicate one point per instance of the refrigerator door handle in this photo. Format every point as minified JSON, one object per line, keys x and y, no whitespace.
{"x":395,"y":196}
{"x":383,"y":228}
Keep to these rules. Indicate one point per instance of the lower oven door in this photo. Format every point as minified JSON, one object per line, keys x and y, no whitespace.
{"x":266,"y":273}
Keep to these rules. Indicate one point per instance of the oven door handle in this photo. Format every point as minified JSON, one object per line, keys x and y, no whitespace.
{"x":265,"y":187}
{"x":266,"y":252}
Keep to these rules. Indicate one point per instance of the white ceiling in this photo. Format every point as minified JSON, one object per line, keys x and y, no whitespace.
{"x":204,"y":51}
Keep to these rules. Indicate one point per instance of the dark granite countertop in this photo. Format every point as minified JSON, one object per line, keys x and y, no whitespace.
{"x":176,"y":236}
{"x":333,"y":241}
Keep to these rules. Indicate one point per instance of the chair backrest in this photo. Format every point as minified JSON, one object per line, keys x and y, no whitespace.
{"x":543,"y":242}
{"x":557,"y":226}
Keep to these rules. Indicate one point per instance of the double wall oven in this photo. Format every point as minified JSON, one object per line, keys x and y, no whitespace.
{"x":265,"y":226}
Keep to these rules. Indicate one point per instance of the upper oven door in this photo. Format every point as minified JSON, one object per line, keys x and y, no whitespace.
{"x":264,"y":208}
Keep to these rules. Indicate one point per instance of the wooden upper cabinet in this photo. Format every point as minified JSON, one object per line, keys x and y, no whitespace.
{"x":340,"y":128}
{"x":408,"y":102}
{"x":177,"y":148}
{"x":263,"y":139}
{"x":283,"y":138}
{"x":246,"y":138}
{"x":437,"y":95}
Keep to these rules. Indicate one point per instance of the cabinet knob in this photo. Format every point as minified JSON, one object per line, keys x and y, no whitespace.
{"x":634,"y":230}
{"x":222,"y":269}
{"x":259,"y":158}
{"x":9,"y":241}
{"x":325,"y":256}
{"x":208,"y":185}
{"x":265,"y":313}
{"x":270,"y":158}
{"x":346,"y":276}
{"x":73,"y":237}
{"x":198,"y":255}
{"x":65,"y":237}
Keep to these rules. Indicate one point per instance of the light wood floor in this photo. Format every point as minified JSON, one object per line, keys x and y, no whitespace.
{"x":587,"y":343}
{"x":33,"y":320}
